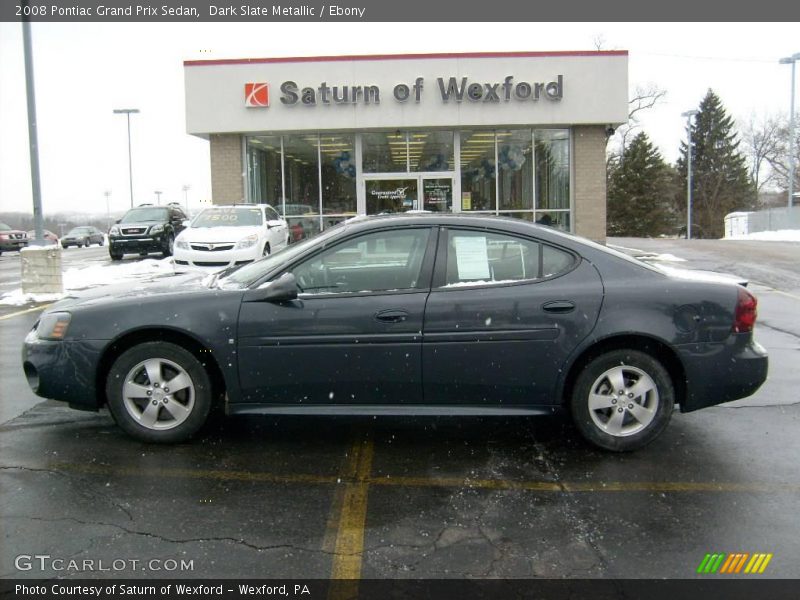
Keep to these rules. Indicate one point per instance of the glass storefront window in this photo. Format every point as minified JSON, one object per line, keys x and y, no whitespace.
{"x":301,"y":171}
{"x":338,"y":176}
{"x":437,"y":194}
{"x":515,"y":169}
{"x":560,"y":219}
{"x":478,"y":171}
{"x":264,"y":169}
{"x":430,"y":151}
{"x":552,"y":168}
{"x":384,"y":152}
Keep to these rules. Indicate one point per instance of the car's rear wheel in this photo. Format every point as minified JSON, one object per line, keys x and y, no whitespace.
{"x":622,"y":400}
{"x":159,"y":392}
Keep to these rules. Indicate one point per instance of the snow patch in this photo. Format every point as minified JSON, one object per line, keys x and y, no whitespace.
{"x":94,"y":276}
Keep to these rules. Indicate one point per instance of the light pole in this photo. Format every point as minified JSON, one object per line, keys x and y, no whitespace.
{"x":127,"y":112}
{"x":158,"y":197}
{"x":689,"y":114}
{"x":785,"y":61}
{"x":186,"y":189}
{"x":107,"y":194}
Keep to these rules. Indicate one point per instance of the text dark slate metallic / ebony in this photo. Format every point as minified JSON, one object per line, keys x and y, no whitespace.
{"x":407,"y":314}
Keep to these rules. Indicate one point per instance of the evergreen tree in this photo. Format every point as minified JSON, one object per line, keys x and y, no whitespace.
{"x":640,"y":191}
{"x":720,"y":180}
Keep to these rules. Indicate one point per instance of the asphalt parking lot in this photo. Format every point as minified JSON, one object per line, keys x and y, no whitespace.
{"x":408,"y":497}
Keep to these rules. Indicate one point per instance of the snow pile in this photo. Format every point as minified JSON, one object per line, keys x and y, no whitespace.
{"x":782,"y":235}
{"x":93,"y":276}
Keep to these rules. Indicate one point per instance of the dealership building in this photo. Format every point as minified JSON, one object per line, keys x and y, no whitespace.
{"x":324,"y":138}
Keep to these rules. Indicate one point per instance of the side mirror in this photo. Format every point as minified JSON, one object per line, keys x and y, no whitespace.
{"x":282,"y":289}
{"x":117,"y":221}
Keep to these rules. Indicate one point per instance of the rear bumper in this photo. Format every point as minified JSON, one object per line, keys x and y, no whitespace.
{"x":717,"y":373}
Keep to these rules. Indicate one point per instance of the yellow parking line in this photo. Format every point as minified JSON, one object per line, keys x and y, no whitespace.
{"x":350,"y":537}
{"x":24,"y":312}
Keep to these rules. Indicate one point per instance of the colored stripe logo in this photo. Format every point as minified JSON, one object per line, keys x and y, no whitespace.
{"x":735,"y":563}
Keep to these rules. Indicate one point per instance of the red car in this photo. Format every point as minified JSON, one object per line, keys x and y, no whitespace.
{"x":49,"y":236}
{"x":12,"y":239}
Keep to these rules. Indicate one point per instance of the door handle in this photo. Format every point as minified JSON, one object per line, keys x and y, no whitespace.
{"x":391,"y":316}
{"x":559,"y":306}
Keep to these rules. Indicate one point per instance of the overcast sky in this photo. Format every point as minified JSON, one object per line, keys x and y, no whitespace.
{"x":83,"y":71}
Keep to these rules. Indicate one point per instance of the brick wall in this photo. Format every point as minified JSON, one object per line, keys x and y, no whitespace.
{"x":590,"y":181}
{"x":227,"y":170}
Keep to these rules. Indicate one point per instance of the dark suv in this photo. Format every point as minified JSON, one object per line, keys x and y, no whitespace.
{"x":146,"y":229}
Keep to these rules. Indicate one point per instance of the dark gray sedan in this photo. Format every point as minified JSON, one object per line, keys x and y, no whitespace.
{"x":85,"y":235}
{"x":423,"y":314}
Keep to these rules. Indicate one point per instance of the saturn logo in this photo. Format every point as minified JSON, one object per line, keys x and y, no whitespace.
{"x":256,"y":95}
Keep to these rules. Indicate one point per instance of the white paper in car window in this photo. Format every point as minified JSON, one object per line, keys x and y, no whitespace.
{"x":472,"y":258}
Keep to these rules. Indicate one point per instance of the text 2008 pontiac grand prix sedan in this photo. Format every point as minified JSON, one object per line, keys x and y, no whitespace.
{"x":403,"y":314}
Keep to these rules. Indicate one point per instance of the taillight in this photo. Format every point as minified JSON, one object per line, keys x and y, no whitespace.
{"x":745,"y":317}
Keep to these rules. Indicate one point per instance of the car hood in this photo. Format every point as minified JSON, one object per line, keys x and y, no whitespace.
{"x":162,"y":286}
{"x":14,"y":231}
{"x":215,"y":235}
{"x":139,"y":224}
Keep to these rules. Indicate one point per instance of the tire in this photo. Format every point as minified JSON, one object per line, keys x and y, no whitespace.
{"x":101,"y":242}
{"x":64,"y":246}
{"x":649,"y":398}
{"x":114,"y":255}
{"x":267,"y":251}
{"x":143,"y":408}
{"x":169,"y":247}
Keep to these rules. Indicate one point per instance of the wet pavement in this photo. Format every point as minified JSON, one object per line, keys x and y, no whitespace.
{"x":327,"y":497}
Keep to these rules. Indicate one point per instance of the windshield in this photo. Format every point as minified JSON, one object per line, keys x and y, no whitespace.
{"x":248,"y":274}
{"x":4,"y":227}
{"x":228,"y":217}
{"x":79,"y":231}
{"x":136,"y":215}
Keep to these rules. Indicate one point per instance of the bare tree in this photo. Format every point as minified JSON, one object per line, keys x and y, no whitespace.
{"x":644,"y":98}
{"x":762,"y":144}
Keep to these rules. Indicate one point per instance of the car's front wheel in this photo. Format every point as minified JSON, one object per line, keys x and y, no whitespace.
{"x":622,"y":400}
{"x":169,"y":245}
{"x":159,"y":392}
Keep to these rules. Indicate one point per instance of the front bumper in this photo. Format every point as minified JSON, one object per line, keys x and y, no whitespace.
{"x":65,"y":370}
{"x":717,"y":373}
{"x":12,"y":245}
{"x":136,"y":244}
{"x":215,"y":260}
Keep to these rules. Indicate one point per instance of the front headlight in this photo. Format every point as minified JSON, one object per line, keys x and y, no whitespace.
{"x":53,"y":326}
{"x":182,"y":245}
{"x":114,"y":230}
{"x":247,"y":242}
{"x":156,"y":229}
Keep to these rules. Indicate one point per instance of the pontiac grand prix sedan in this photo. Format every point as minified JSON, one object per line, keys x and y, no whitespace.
{"x":422,"y":314}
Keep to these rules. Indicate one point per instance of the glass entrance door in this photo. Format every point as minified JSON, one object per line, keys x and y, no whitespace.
{"x":400,"y":194}
{"x":394,"y":195}
{"x":437,"y":194}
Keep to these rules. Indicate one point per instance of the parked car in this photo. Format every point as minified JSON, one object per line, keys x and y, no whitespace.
{"x":422,"y":314}
{"x":300,"y":226}
{"x":144,"y":229}
{"x":49,"y":236}
{"x":84,"y":235}
{"x":12,"y":239}
{"x":226,"y":236}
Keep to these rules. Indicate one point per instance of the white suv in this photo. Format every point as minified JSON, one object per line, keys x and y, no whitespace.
{"x":224,"y":236}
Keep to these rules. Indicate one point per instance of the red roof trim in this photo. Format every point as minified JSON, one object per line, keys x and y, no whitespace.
{"x":304,"y":59}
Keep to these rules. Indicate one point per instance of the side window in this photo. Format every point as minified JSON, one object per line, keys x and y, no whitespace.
{"x":380,"y":261}
{"x":272,"y":215}
{"x":555,"y":261}
{"x":484,"y":257}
